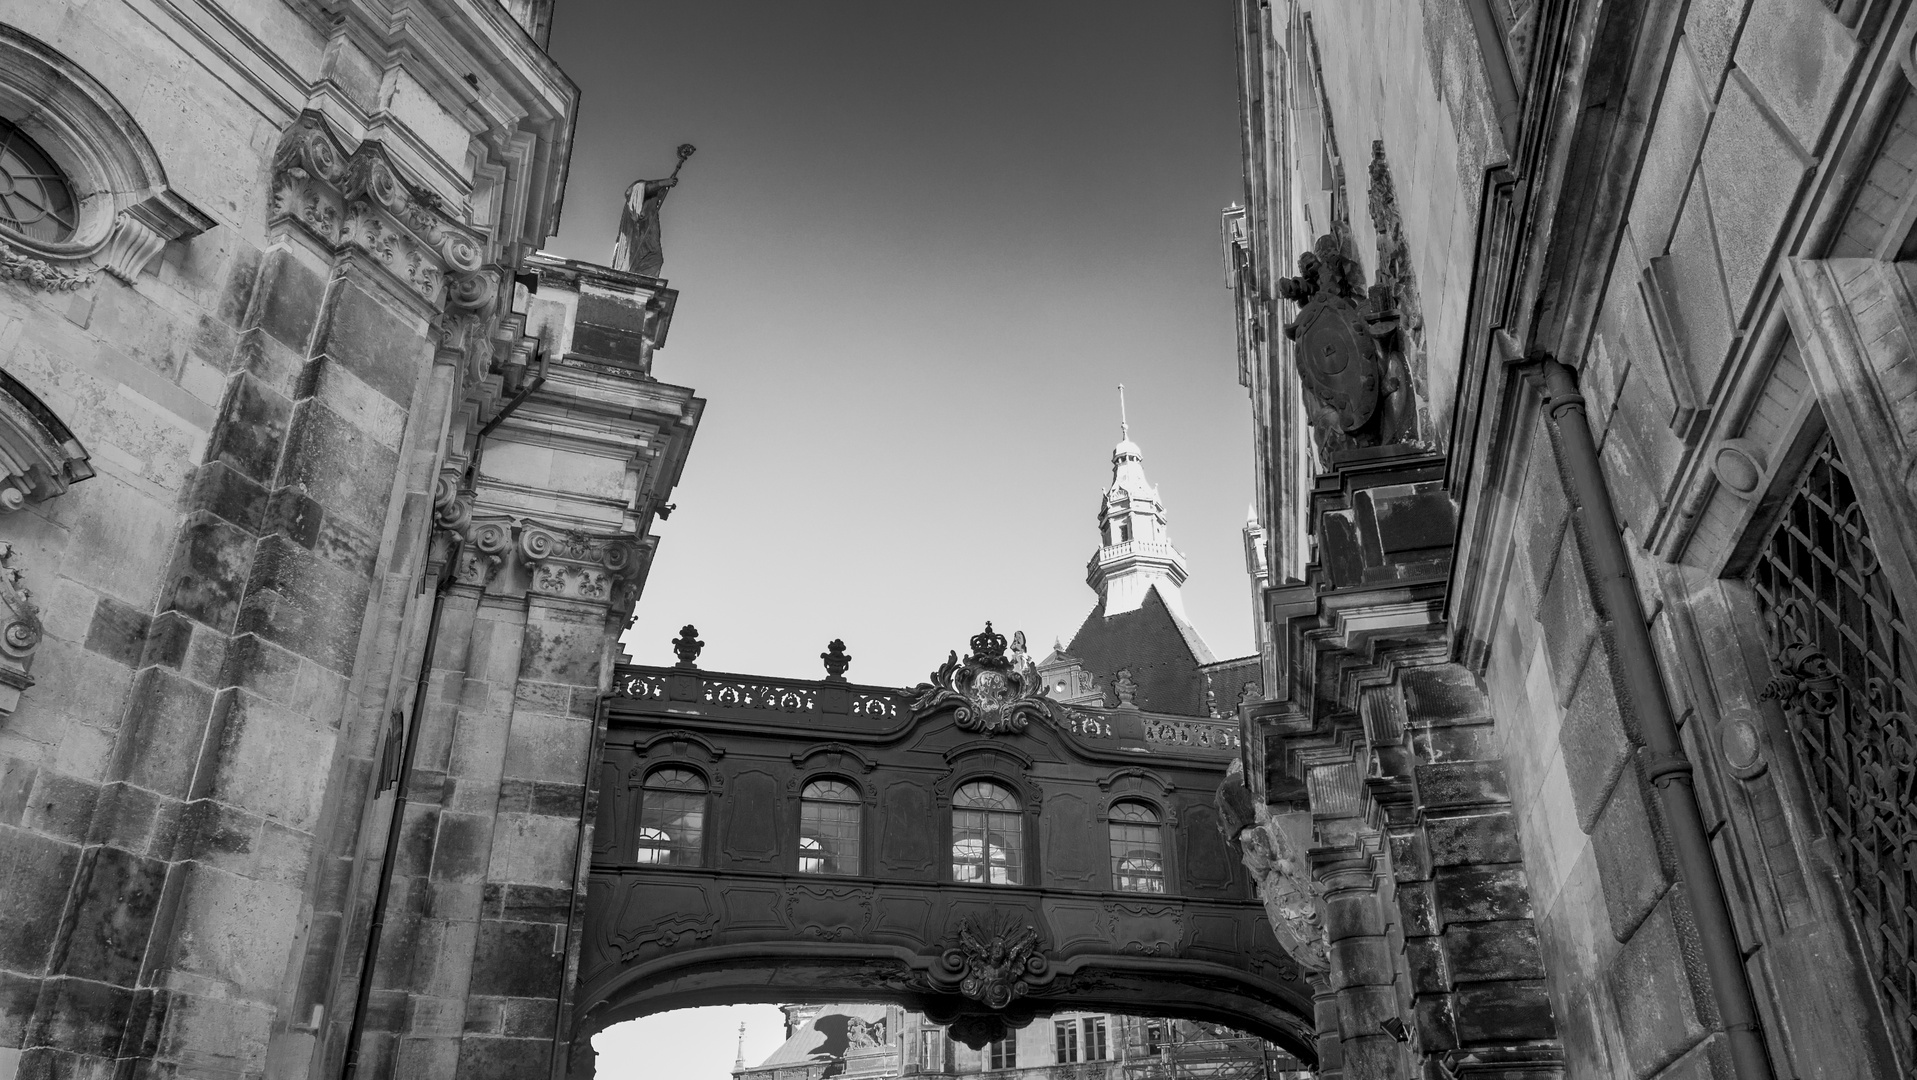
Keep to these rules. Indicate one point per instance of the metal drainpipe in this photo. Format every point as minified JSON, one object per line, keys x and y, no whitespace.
{"x":389,"y":858}
{"x":1668,"y":768}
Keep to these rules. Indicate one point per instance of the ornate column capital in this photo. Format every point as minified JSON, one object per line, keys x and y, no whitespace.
{"x":573,"y":565}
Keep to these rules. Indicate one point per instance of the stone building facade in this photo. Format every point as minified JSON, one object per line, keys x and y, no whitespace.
{"x":1588,"y":752}
{"x":324,"y":495}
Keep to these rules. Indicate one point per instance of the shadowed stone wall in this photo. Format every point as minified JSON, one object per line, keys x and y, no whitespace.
{"x":1707,"y":211}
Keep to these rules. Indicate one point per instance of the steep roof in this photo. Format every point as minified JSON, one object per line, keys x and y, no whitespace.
{"x":823,"y":1037}
{"x":1162,"y":651}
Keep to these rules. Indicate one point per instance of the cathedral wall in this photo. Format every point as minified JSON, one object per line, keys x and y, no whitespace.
{"x":229,"y":606}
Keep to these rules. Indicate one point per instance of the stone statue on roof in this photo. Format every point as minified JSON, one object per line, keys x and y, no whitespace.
{"x":637,"y":249}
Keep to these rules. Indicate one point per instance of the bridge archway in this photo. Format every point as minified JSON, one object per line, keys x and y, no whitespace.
{"x":1097,"y":880}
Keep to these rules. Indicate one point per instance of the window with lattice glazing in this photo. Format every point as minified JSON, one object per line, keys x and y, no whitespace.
{"x":1138,"y":848}
{"x":829,"y":828}
{"x":988,"y":835}
{"x":1002,"y":1053}
{"x":1846,"y":672}
{"x":672,"y":818}
{"x":36,"y":199}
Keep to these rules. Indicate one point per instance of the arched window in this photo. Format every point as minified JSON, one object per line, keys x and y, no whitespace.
{"x":1138,"y":848}
{"x":672,"y":818}
{"x":36,"y":199}
{"x":988,"y":835}
{"x":829,"y":828}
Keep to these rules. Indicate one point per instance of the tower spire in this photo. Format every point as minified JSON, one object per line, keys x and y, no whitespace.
{"x":739,"y":1061}
{"x":1124,"y":428}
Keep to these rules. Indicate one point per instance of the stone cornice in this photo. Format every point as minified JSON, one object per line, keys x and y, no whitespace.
{"x":356,"y":199}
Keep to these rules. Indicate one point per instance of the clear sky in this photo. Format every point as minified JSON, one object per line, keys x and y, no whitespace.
{"x":918,"y":248}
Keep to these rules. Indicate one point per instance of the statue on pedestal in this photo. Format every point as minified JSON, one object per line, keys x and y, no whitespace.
{"x":637,"y":249}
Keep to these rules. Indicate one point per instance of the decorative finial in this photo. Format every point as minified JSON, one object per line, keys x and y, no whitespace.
{"x":739,"y":1061}
{"x":836,"y":661}
{"x":1124,"y":428}
{"x":989,"y":647}
{"x":687,"y":645}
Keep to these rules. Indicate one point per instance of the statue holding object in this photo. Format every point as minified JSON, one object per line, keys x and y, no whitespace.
{"x":1350,"y":352}
{"x":637,"y":249}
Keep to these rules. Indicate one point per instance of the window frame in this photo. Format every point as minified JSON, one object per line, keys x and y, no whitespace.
{"x":1028,"y":849}
{"x":858,"y":802}
{"x":642,"y":788}
{"x":1001,"y":1053}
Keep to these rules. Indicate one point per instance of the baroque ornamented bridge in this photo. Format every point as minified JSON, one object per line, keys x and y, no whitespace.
{"x":970,"y":848}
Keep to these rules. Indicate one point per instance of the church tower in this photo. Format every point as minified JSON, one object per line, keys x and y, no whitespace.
{"x":1135,"y":553}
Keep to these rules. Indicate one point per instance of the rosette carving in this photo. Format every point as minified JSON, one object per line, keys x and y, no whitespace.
{"x":579,"y":566}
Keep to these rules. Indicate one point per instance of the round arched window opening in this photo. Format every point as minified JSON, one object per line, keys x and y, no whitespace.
{"x":988,"y":835}
{"x":36,"y":198}
{"x":672,"y":818}
{"x":829,"y":812}
{"x":1138,"y":848}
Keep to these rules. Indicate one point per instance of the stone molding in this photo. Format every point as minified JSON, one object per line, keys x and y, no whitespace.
{"x":357,"y":200}
{"x":39,"y":456}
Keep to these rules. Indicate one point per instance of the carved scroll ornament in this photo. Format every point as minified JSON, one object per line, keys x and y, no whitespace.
{"x":577,"y":566}
{"x":358,"y":200}
{"x":986,"y":692}
{"x":995,"y":962}
{"x":20,"y":632}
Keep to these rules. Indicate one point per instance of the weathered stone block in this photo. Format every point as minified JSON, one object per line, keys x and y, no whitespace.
{"x":1569,"y":620}
{"x":169,"y":637}
{"x":114,"y":917}
{"x":1753,"y":171}
{"x":35,"y":874}
{"x":1692,"y":285}
{"x":340,"y":466}
{"x":165,"y":723}
{"x":1797,"y":56}
{"x":1352,"y":914}
{"x":251,"y":428}
{"x":1669,"y":156}
{"x":61,"y":806}
{"x":1493,"y":950}
{"x":533,"y":849}
{"x":304,"y":604}
{"x":1440,"y":695}
{"x":465,"y":841}
{"x":82,"y":1015}
{"x":291,"y":293}
{"x":265,"y":760}
{"x":1656,"y":1012}
{"x":16,"y":784}
{"x":1437,"y":1028}
{"x":383,"y":347}
{"x":1472,"y":839}
{"x":1478,"y":894}
{"x":514,"y":959}
{"x":1417,"y":908}
{"x":1424,"y":958}
{"x":1507,"y":1011}
{"x":481,"y":1057}
{"x":223,"y":491}
{"x":117,"y":631}
{"x":1629,"y":863}
{"x":260,"y":667}
{"x":1596,"y":745}
{"x":1461,"y":783}
{"x":1360,"y":961}
{"x":557,"y":647}
{"x":208,"y":575}
{"x":18,"y":993}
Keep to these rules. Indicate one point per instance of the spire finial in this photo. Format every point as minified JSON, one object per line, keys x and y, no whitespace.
{"x":739,"y":1062}
{"x":1124,"y":428}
